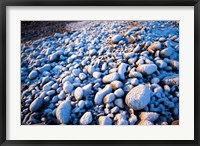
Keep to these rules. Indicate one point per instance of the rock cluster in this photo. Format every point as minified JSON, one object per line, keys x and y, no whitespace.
{"x":103,"y":73}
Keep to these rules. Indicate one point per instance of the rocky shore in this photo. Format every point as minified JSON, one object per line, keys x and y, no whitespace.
{"x":102,"y":73}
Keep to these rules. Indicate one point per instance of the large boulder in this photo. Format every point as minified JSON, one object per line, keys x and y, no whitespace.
{"x":138,"y":97}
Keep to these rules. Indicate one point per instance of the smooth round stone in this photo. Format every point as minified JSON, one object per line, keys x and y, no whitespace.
{"x":54,"y":99}
{"x":82,"y":76}
{"x":150,"y":116}
{"x":36,"y":104}
{"x":46,"y":99}
{"x":96,"y":74}
{"x":155,"y":80}
{"x":76,"y":72}
{"x":119,"y":102}
{"x":78,"y":93}
{"x":62,"y":95}
{"x":111,"y":77}
{"x":134,"y":81}
{"x":46,"y":67}
{"x":171,"y":80}
{"x":115,"y":39}
{"x":81,"y":104}
{"x":63,"y":112}
{"x":33,"y":74}
{"x":51,"y":92}
{"x":167,"y":52}
{"x":116,"y":84}
{"x":155,"y":46}
{"x":147,"y":69}
{"x":109,"y":98}
{"x":68,"y":87}
{"x":86,"y":119}
{"x":104,"y":120}
{"x":91,"y":69}
{"x":119,"y":93}
{"x":161,"y":63}
{"x":92,"y":52}
{"x":54,"y":57}
{"x":138,"y":97}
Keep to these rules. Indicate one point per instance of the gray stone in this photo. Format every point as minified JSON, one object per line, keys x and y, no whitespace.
{"x":121,"y":70}
{"x":82,"y":76}
{"x":147,"y":69}
{"x":92,"y":52}
{"x":171,"y":80}
{"x":119,"y":93}
{"x":102,"y":93}
{"x":110,"y":77}
{"x":33,"y":74}
{"x":51,"y":92}
{"x":46,"y":67}
{"x":119,"y":102}
{"x":155,"y":46}
{"x":150,"y":116}
{"x":104,"y":120}
{"x":86,"y":119}
{"x":76,"y":72}
{"x":78,"y":93}
{"x":116,"y":84}
{"x":68,"y":87}
{"x":62,"y":95}
{"x":134,"y":74}
{"x":115,"y":39}
{"x":96,"y":74}
{"x":36,"y":104}
{"x":132,"y":120}
{"x":54,"y":57}
{"x":63,"y":112}
{"x":167,"y":52}
{"x":91,"y":69}
{"x":81,"y":104}
{"x":155,"y":80}
{"x":129,"y":55}
{"x":138,"y":97}
{"x":134,"y":81}
{"x":161,"y":63}
{"x":109,"y":98}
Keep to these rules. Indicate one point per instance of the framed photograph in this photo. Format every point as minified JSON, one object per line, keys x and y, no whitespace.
{"x":99,"y":72}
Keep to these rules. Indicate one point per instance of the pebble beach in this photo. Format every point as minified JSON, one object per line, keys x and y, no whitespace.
{"x":101,"y":73}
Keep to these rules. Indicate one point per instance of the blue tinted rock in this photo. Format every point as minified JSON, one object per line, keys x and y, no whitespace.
{"x":36,"y":104}
{"x":62,"y":95}
{"x":86,"y":119}
{"x":167,"y":52}
{"x":78,"y":93}
{"x":111,"y":77}
{"x":147,"y":69}
{"x":119,"y":93}
{"x":102,"y":93}
{"x":117,"y":38}
{"x":116,"y":84}
{"x":68,"y":87}
{"x":104,"y":120}
{"x":63,"y":112}
{"x":46,"y":67}
{"x":109,"y":98}
{"x":54,"y":57}
{"x":33,"y":74}
{"x":51,"y":92}
{"x":138,"y":97}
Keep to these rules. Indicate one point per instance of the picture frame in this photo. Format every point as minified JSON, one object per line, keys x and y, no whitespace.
{"x":102,"y":3}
